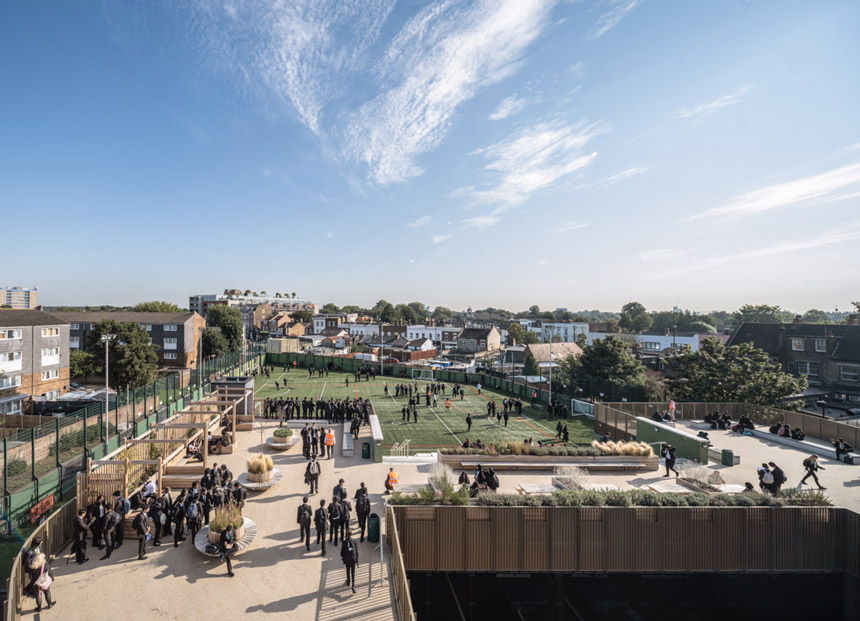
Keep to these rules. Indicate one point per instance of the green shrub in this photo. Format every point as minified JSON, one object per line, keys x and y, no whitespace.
{"x":518,"y":448}
{"x":697,"y":499}
{"x":260,"y":464}
{"x":283,"y":432}
{"x":805,"y":498}
{"x":14,"y":467}
{"x":615,"y":498}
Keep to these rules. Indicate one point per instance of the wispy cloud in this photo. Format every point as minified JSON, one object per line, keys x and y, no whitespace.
{"x":784,"y":194}
{"x":535,"y":158}
{"x":621,"y":176}
{"x":417,"y":223}
{"x":700,"y":112}
{"x":577,"y":69}
{"x":507,"y":107}
{"x":438,"y":239}
{"x":566,"y":227}
{"x":841,"y":235}
{"x":439,"y":60}
{"x":608,"y":20}
{"x":663,"y":254}
{"x":481,"y":222}
{"x":853,"y":147}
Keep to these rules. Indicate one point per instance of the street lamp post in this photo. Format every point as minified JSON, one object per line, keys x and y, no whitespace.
{"x":674,"y":333}
{"x":106,"y":339}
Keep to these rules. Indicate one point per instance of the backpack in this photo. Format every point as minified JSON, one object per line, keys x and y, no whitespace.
{"x":767,"y":478}
{"x":124,"y":506}
{"x":334,"y":513}
{"x":306,"y":514}
{"x":191,"y":512}
{"x":362,"y":505}
{"x":351,"y":552}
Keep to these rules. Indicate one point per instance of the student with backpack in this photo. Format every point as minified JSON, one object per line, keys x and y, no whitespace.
{"x":141,"y":527}
{"x":334,"y":517}
{"x":362,"y":510}
{"x":122,"y":506}
{"x":303,"y":518}
{"x":320,"y":523}
{"x":349,"y":556}
{"x":194,"y":516}
{"x":111,"y":521}
{"x":345,"y":515}
{"x":179,"y":520}
{"x":810,"y":464}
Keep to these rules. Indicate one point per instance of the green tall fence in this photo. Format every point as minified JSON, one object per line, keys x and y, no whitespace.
{"x":43,"y":460}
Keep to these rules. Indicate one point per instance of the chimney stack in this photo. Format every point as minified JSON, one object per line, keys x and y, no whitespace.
{"x":851,"y":320}
{"x":798,"y":319}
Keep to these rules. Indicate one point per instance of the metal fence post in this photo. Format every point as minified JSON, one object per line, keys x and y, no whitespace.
{"x":33,"y":459}
{"x":5,"y":469}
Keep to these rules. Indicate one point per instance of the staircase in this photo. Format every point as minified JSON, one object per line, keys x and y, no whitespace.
{"x":182,"y":476}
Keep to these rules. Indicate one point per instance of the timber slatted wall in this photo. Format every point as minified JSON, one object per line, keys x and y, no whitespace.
{"x":629,"y":539}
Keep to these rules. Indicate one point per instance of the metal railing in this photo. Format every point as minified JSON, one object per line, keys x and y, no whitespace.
{"x":402,"y":596}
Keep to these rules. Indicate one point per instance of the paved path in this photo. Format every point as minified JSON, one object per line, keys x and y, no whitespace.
{"x":274,"y":575}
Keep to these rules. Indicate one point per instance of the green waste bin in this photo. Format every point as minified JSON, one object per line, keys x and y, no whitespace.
{"x":728,"y":457}
{"x":373,"y":528}
{"x":365,"y":450}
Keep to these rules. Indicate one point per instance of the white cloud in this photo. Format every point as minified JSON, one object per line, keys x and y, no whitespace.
{"x":438,"y":239}
{"x":624,"y":174}
{"x":566,"y":227}
{"x":577,"y":69}
{"x":481,"y":222}
{"x":439,"y":60}
{"x":507,"y":107}
{"x":841,"y":235}
{"x":535,"y":158}
{"x":610,"y":18}
{"x":329,"y":235}
{"x":853,"y":147}
{"x":665,"y":254}
{"x":700,"y":112}
{"x":784,"y":194}
{"x":419,"y":222}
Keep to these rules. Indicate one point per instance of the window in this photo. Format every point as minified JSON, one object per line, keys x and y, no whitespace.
{"x":92,"y":326}
{"x":10,"y":334}
{"x":653,"y":345}
{"x":170,"y":327}
{"x":170,"y":356}
{"x":10,"y":356}
{"x":820,"y":345}
{"x":797,"y":344}
{"x":50,"y":332}
{"x":148,"y":327}
{"x":75,"y":326}
{"x":49,"y":375}
{"x":51,"y":394}
{"x":169,"y":343}
{"x":807,"y":368}
{"x":11,"y":407}
{"x":74,"y":342}
{"x":10,"y":382}
{"x":848,"y":373}
{"x":50,"y":351}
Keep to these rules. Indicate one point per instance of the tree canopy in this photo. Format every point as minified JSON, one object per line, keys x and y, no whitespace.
{"x":83,"y":364}
{"x":302,"y":316}
{"x":229,"y":319}
{"x":814,"y":315}
{"x":757,"y":313}
{"x":330,"y":308}
{"x":721,"y":374}
{"x":607,"y":366}
{"x":634,"y":318}
{"x":530,"y":365}
{"x":133,"y":356}
{"x":213,"y":342}
{"x":156,"y":306}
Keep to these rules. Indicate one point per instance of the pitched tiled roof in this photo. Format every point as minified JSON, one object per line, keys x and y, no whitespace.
{"x":14,"y":318}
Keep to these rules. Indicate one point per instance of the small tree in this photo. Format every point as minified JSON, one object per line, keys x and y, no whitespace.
{"x":530,"y":366}
{"x":133,"y":357}
{"x":82,"y":364}
{"x":214,"y":343}
{"x":229,"y":319}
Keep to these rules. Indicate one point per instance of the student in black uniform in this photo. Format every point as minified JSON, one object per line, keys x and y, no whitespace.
{"x":305,"y":513}
{"x":320,"y":520}
{"x":349,"y":556}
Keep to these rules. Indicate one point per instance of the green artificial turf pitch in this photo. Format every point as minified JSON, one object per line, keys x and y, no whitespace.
{"x":436,"y":426}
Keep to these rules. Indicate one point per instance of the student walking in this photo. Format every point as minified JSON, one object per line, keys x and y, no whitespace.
{"x":320,"y":520}
{"x":312,"y":475}
{"x":362,"y":510}
{"x":349,"y":556}
{"x":812,"y":466}
{"x":305,"y":513}
{"x":668,"y":454}
{"x":142,"y":528}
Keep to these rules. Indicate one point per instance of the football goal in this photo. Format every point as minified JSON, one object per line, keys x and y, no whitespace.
{"x":423,"y":374}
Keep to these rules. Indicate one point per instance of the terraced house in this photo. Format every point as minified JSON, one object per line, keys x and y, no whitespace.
{"x":177,"y":335}
{"x":34,"y":358}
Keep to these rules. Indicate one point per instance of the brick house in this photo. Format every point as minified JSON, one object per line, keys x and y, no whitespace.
{"x":475,"y":340}
{"x":34,"y":358}
{"x":177,"y":335}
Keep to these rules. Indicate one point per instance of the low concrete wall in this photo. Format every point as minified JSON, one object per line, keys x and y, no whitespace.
{"x":686,"y":444}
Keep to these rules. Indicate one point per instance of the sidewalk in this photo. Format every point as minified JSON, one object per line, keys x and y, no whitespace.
{"x":274,"y":576}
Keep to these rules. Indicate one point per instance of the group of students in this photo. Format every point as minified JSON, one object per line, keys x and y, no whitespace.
{"x":333,"y":410}
{"x":320,"y":440}
{"x":787,"y":432}
{"x":335,"y":520}
{"x":485,"y":480}
{"x":771,"y":478}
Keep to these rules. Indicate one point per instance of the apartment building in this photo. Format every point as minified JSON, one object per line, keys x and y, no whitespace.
{"x":443,"y":337}
{"x":19,"y":297}
{"x":233,"y":297}
{"x":177,"y":335}
{"x":34,"y":358}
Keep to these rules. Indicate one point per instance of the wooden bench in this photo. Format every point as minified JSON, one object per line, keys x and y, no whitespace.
{"x":347,"y":442}
{"x":808,"y":446}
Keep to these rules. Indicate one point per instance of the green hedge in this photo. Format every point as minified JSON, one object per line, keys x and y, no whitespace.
{"x":283,"y":432}
{"x":538,"y":451}
{"x":632,"y":498}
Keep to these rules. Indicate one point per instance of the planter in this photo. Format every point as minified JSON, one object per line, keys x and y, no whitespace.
{"x":281,"y":444}
{"x":216,"y":537}
{"x":549,"y":462}
{"x":569,"y":486}
{"x":260,"y":477}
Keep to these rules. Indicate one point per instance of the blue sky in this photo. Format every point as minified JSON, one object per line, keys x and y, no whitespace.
{"x":498,"y":153}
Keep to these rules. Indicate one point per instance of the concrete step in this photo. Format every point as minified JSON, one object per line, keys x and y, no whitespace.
{"x":177,"y":482}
